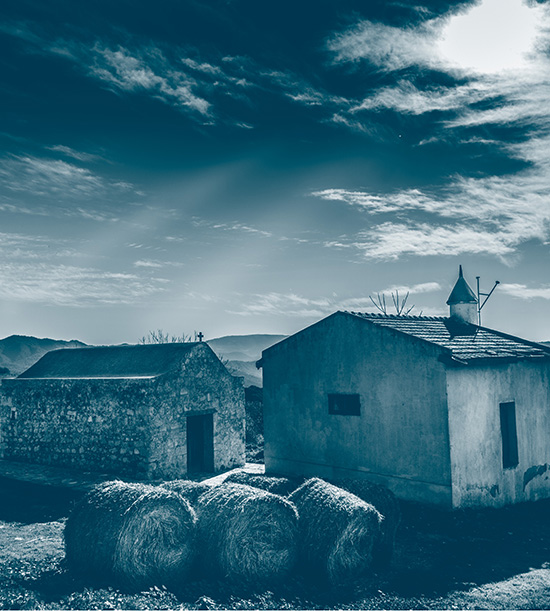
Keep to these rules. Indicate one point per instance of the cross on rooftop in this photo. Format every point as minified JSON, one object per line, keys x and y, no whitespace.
{"x":200,"y":336}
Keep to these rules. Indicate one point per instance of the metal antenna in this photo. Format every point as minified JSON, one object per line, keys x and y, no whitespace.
{"x":486,"y":295}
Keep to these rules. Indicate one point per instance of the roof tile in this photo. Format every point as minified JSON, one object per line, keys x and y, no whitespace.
{"x":463,"y":340}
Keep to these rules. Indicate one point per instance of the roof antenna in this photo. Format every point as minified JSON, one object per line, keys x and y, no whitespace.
{"x":486,"y":295}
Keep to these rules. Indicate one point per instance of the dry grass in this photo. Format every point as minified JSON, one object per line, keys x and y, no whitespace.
{"x":131,"y":535}
{"x":247,"y":535}
{"x":187,"y":489}
{"x":476,"y":559}
{"x":337,"y":531}
{"x":387,"y":505}
{"x":282,"y":486}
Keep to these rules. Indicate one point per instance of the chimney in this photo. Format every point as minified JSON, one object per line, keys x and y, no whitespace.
{"x":462,"y":301}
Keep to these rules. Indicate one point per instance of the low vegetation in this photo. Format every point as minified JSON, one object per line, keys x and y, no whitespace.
{"x":471,"y":559}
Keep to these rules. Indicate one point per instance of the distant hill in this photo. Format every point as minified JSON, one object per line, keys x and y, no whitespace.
{"x":243,"y":347}
{"x":19,"y":352}
{"x":242,"y":352}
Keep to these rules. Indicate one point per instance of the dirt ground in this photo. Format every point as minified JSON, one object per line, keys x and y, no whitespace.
{"x":483,"y":559}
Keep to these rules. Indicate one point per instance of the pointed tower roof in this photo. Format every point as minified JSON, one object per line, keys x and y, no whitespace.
{"x":461,"y":293}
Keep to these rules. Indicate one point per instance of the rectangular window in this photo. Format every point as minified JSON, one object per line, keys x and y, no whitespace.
{"x":509,"y":435}
{"x":344,"y":405}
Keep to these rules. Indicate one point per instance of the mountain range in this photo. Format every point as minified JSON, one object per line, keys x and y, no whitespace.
{"x":239,"y":352}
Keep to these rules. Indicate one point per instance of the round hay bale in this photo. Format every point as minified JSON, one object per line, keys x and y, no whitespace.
{"x":131,"y":535}
{"x":338,"y":532}
{"x":246,"y":534}
{"x":188,"y":489}
{"x":387,"y":505}
{"x":282,"y":486}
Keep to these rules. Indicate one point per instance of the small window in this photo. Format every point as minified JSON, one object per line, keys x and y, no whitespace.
{"x":509,"y":435}
{"x":344,"y":405}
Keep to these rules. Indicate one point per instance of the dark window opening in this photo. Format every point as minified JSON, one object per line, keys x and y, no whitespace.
{"x":344,"y":405}
{"x":509,"y":435}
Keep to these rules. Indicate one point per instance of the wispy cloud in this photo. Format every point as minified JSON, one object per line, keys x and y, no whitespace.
{"x":147,"y":70}
{"x":58,"y":187}
{"x":488,"y":214}
{"x":393,"y":240}
{"x":288,"y":304}
{"x":193,"y":80}
{"x":68,"y":285}
{"x":34,"y":271}
{"x":156,"y":264}
{"x":235,"y":226}
{"x":521,"y":291}
{"x":78,"y":155}
{"x":294,"y":305}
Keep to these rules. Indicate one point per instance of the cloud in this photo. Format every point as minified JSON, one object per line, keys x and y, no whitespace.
{"x":78,"y":155}
{"x":234,"y":226}
{"x":495,"y":50}
{"x":154,"y":264}
{"x":489,"y":37}
{"x":193,"y":80}
{"x":390,"y":241}
{"x":406,"y":98}
{"x":521,"y":291}
{"x":424,"y":287}
{"x":34,"y":271}
{"x":287,"y":304}
{"x":293,"y":305}
{"x":68,"y":285}
{"x":65,"y":189}
{"x":491,"y":215}
{"x":147,"y":70}
{"x":146,"y":263}
{"x":386,"y":47}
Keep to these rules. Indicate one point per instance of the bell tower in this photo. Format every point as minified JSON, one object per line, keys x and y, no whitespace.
{"x":462,"y":301}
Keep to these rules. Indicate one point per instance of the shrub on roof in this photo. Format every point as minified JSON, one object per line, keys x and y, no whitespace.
{"x":131,"y":535}
{"x":338,"y":532}
{"x":246,"y":535}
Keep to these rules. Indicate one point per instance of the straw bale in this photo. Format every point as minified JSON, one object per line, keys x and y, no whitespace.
{"x":246,"y":534}
{"x":337,"y":532}
{"x":188,"y":489}
{"x":387,"y":505}
{"x":282,"y":486}
{"x":131,"y":535}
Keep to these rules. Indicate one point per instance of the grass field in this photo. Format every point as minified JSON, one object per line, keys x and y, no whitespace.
{"x":492,"y":559}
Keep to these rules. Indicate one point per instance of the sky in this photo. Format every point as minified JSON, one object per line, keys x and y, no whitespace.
{"x":235,"y":166}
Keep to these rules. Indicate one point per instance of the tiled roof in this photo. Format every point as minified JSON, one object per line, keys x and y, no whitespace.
{"x":139,"y":361}
{"x":461,"y":341}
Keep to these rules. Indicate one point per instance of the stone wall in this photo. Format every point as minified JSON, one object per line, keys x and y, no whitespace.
{"x":201,"y":385}
{"x":96,"y":425}
{"x":129,"y":427}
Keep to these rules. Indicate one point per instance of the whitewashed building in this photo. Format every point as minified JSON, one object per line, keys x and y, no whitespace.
{"x":436,"y":408}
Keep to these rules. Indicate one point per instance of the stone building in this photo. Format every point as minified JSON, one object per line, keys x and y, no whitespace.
{"x":145,"y":411}
{"x":436,"y":408}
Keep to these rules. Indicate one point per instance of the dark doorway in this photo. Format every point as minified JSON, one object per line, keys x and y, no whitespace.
{"x":200,"y":444}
